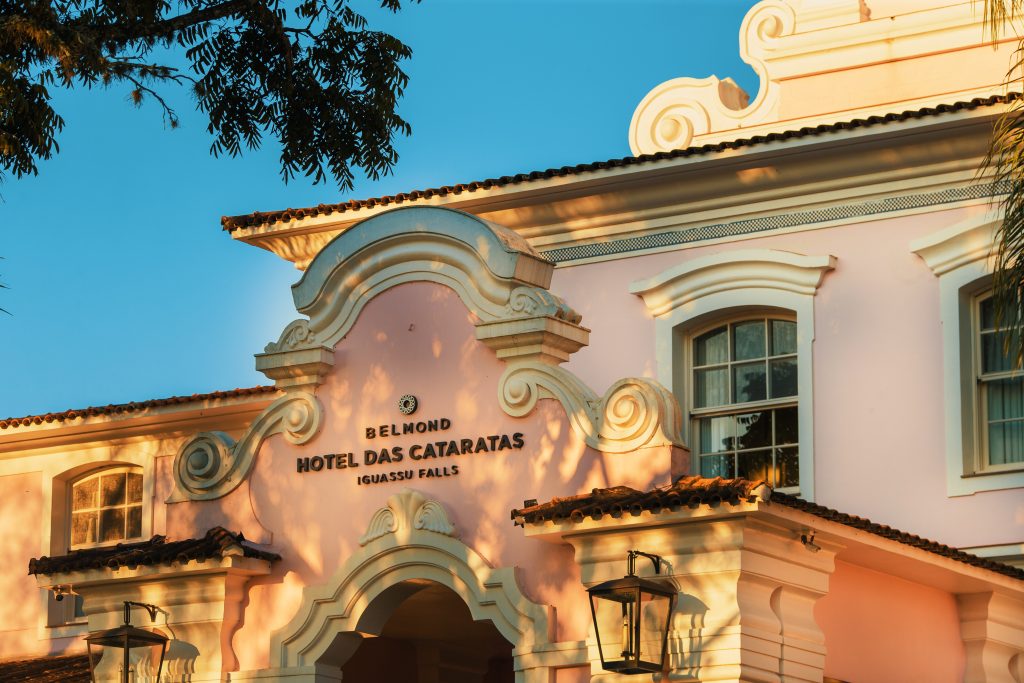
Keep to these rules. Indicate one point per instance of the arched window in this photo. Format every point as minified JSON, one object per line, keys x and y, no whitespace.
{"x":734,"y":340}
{"x":743,"y":405}
{"x":106,"y":507}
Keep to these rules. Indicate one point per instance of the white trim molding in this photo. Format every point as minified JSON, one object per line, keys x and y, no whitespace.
{"x":684,"y":296}
{"x":961,"y":256}
{"x":409,"y":541}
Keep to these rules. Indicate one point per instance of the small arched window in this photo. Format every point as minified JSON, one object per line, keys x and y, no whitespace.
{"x":744,"y":401}
{"x":106,"y":507}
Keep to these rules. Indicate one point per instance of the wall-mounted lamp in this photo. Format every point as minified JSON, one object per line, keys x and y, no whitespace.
{"x":636,"y":614}
{"x":62,"y":591}
{"x":127,"y":637}
{"x":807,"y":538}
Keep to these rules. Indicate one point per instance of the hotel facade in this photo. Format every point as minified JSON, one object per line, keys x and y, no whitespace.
{"x":762,"y":348}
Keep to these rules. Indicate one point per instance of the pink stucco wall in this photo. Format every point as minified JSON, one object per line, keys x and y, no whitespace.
{"x":882,"y":629}
{"x":879,"y":445}
{"x":417,"y":339}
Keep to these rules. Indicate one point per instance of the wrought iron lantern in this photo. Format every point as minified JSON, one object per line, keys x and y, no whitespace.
{"x":128,"y":638}
{"x":631,"y":619}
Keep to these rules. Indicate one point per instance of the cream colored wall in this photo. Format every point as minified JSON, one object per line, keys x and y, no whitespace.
{"x":878,"y":380}
{"x":881,"y":628}
{"x":21,"y":511}
{"x":825,"y":61}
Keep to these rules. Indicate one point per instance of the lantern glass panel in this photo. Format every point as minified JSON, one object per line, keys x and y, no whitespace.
{"x":653,"y":627}
{"x":613,"y":612}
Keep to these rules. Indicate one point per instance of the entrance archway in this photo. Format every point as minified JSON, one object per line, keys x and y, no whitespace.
{"x":410,"y":546}
{"x":430,"y":637}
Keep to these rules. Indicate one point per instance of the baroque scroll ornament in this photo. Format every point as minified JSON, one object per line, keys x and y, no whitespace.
{"x":212,"y":464}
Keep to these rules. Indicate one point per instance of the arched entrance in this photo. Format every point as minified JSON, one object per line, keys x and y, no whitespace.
{"x":410,"y":549}
{"x":430,"y":637}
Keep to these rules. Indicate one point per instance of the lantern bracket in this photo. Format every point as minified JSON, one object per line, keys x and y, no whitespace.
{"x":656,"y":560}
{"x":151,"y":609}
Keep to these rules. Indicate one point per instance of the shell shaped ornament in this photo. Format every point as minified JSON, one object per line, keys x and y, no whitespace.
{"x":407,"y":404}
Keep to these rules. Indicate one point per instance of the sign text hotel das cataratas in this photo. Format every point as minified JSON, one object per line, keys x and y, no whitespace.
{"x":422,"y":460}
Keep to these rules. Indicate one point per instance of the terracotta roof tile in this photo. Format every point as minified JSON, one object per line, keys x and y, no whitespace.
{"x":695,"y":491}
{"x":135,"y":406}
{"x":895,"y":535}
{"x":231,"y":223}
{"x":157,"y":550}
{"x":619,"y":500}
{"x":66,"y":669}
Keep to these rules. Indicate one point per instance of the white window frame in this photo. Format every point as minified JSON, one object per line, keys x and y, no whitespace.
{"x":727,"y":286}
{"x":695,"y":414}
{"x":95,"y":474}
{"x":982,"y":465}
{"x":59,"y":473}
{"x":961,"y":258}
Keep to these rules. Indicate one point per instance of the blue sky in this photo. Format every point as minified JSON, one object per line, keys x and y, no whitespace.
{"x":123,"y":286}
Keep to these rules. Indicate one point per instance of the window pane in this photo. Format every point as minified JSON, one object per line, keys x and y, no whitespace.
{"x":754,"y":430}
{"x":134,"y":522}
{"x":749,"y":382}
{"x":84,"y":494}
{"x":712,"y":347}
{"x":111,"y":524}
{"x":134,"y":488}
{"x":783,"y":377}
{"x":748,"y":340}
{"x":786,"y":426}
{"x":755,"y":465}
{"x":1005,"y":443}
{"x":112,"y":489}
{"x":988,"y":314}
{"x":1005,"y":398}
{"x":716,"y":466}
{"x":783,"y":337}
{"x":787,"y":463}
{"x":992,"y":357}
{"x":83,"y":528}
{"x":712,"y":387}
{"x":716,"y":434}
{"x":79,"y":607}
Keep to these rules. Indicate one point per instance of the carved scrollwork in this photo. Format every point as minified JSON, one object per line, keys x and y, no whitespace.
{"x":297,"y":335}
{"x":381,"y":524}
{"x":633,"y":413}
{"x":534,"y":301}
{"x":408,"y":511}
{"x":639,"y":411}
{"x":204,"y":460}
{"x":211,"y":464}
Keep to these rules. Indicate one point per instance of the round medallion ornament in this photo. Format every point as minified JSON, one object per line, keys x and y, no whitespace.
{"x":407,"y":404}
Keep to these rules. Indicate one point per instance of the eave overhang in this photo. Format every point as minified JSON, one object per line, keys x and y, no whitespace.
{"x":168,"y":421}
{"x":851,"y":545}
{"x":878,"y":159}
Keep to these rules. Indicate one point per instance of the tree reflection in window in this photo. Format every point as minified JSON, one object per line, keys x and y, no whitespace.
{"x":747,"y":362}
{"x":106,"y":507}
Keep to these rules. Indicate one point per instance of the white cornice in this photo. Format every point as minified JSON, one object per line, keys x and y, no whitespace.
{"x":861,"y":164}
{"x":966,"y":242}
{"x":758,"y":268}
{"x":162,"y":421}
